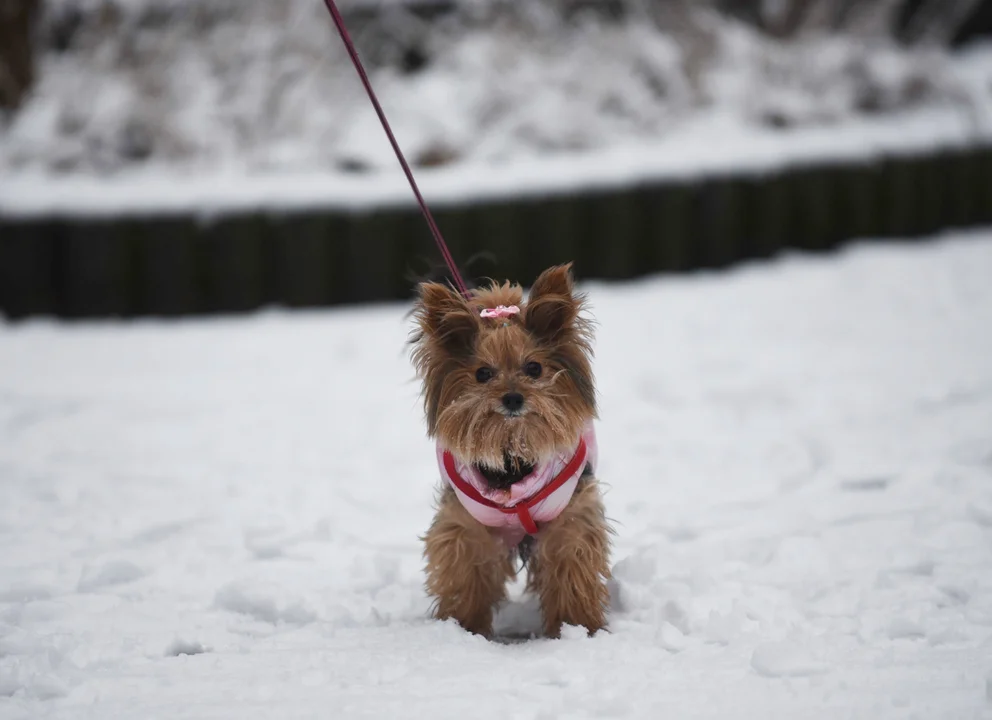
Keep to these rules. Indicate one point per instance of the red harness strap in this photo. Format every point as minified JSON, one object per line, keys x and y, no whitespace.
{"x":521,"y":509}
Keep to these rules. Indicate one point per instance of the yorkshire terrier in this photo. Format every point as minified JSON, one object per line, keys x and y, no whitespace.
{"x":510,"y":400}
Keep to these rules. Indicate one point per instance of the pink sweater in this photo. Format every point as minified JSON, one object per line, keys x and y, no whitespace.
{"x":538,"y":498}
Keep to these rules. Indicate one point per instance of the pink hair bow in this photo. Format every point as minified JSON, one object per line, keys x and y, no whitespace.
{"x":500,"y":311}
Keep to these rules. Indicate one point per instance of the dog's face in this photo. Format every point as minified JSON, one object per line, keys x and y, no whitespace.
{"x":507,"y":392}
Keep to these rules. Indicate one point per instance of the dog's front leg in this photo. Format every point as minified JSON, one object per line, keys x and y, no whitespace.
{"x":467,"y":568}
{"x":571,"y":564}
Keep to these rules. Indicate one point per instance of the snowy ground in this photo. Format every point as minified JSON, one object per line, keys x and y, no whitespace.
{"x":219,"y":518}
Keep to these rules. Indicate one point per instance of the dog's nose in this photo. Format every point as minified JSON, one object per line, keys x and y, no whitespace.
{"x":513,"y":401}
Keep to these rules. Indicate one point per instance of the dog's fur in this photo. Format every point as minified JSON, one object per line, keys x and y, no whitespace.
{"x":467,"y":564}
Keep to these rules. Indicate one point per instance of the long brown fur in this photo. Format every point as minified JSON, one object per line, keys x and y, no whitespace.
{"x":467,"y":568}
{"x":467,"y":565}
{"x":571,"y":564}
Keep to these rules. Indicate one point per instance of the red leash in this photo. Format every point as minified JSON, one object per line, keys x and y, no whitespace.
{"x":441,"y":245}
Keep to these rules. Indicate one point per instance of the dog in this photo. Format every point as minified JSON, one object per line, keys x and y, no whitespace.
{"x":510,"y":399}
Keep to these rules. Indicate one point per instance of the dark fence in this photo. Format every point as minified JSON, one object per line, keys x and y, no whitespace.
{"x":176,"y":265}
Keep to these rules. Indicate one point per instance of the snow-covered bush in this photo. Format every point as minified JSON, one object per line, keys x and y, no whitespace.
{"x":262,"y":85}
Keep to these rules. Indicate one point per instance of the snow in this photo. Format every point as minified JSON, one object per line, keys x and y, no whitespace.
{"x":254,"y":104}
{"x":219,"y":518}
{"x":716,"y":146}
{"x":783,"y":659}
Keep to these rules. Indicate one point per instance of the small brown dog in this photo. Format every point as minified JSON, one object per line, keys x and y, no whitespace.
{"x":510,"y":399}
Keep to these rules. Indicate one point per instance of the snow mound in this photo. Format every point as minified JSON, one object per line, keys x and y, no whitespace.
{"x":262,"y":87}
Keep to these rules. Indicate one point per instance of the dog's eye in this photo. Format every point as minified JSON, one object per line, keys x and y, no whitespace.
{"x":484,"y":374}
{"x":533,"y":369}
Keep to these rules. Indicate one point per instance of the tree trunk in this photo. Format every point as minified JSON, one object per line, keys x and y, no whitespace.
{"x":16,"y":50}
{"x":874,"y":19}
{"x":936,"y":22}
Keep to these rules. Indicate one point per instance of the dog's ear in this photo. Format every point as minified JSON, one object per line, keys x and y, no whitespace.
{"x":554,"y":316}
{"x":446,"y":319}
{"x":552,"y":308}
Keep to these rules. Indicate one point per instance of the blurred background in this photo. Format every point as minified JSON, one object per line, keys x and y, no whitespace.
{"x":167,"y":157}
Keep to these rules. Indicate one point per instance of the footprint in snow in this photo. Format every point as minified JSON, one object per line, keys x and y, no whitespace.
{"x":784,"y":659}
{"x":866,"y":484}
{"x":904,"y":629}
{"x":261,"y":605}
{"x":184,"y":647}
{"x":116,"y":572}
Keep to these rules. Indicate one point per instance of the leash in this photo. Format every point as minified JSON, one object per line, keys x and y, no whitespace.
{"x":441,"y":245}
